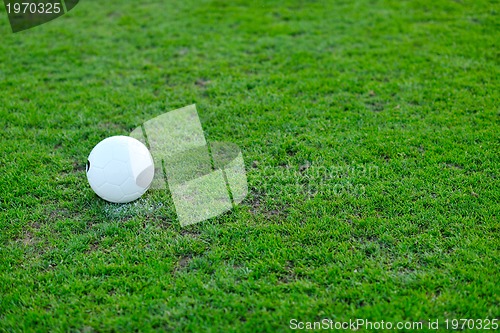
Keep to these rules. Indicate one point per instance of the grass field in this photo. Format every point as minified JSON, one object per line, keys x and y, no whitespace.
{"x":370,"y":132}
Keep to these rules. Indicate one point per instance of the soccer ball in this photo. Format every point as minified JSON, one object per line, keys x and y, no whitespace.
{"x":120,"y":169}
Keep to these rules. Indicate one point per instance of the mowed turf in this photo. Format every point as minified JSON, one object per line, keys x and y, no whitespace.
{"x":370,"y":133}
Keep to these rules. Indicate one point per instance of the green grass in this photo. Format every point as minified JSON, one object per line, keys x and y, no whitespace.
{"x":370,"y":132}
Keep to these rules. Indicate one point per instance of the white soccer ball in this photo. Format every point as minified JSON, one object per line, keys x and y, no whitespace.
{"x":120,"y":169}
